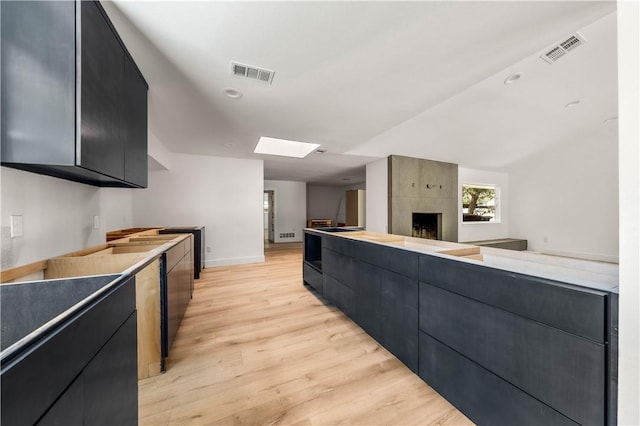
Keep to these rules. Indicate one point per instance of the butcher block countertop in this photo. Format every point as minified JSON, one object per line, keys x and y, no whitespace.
{"x":592,"y":274}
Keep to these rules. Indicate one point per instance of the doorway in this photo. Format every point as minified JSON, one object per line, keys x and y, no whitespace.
{"x":269,"y":216}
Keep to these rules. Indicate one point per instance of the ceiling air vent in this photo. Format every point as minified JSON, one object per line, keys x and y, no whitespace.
{"x":254,"y":73}
{"x":562,"y":48}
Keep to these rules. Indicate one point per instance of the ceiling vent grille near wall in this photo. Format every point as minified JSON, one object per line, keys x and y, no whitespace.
{"x":254,"y":73}
{"x":556,"y":52}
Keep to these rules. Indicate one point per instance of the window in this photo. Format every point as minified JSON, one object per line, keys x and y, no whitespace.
{"x":480,"y":203}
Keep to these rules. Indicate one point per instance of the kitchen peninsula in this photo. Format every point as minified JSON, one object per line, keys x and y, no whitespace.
{"x":507,"y":337}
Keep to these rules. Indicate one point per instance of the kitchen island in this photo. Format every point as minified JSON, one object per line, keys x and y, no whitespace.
{"x":507,"y":337}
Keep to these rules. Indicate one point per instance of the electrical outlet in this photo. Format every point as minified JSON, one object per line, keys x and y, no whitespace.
{"x":208,"y":249}
{"x":16,"y":226}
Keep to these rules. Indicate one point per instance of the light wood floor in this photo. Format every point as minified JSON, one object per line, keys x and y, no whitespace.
{"x":258,"y":348}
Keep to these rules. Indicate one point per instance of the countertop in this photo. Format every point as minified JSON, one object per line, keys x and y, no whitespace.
{"x":586,"y":273}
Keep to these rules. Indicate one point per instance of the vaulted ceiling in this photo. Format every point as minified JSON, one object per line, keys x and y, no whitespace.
{"x":369,"y":79}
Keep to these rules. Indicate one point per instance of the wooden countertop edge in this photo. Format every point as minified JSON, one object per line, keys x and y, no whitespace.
{"x":9,"y":275}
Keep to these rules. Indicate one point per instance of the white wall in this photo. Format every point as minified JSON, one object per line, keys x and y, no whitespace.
{"x":290,"y":208}
{"x":474,"y":231}
{"x":57,"y":215}
{"x":564,"y":201}
{"x":222,"y":194}
{"x":377,"y":196}
{"x":329,"y":202}
{"x":629,"y":111}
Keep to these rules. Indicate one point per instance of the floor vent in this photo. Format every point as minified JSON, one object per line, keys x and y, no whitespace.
{"x":288,"y":235}
{"x":254,"y":73}
{"x":556,"y":52}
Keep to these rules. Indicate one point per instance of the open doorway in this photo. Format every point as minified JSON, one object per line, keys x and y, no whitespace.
{"x":269,"y":217}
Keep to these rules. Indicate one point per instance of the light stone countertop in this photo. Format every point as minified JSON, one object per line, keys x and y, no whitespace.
{"x":586,"y":273}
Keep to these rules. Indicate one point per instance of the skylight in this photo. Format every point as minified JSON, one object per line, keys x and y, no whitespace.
{"x":284,"y":148}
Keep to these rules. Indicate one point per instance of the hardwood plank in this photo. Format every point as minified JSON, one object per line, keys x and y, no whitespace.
{"x":258,"y":347}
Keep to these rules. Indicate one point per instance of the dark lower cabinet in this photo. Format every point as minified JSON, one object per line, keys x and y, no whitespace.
{"x":178,"y":262}
{"x":367,"y":295}
{"x":111,"y":382}
{"x":69,"y":408}
{"x":481,"y":395}
{"x":339,"y":294}
{"x":399,"y":317}
{"x":562,"y":370}
{"x":80,"y":371}
{"x":312,"y":276}
{"x":106,"y":391}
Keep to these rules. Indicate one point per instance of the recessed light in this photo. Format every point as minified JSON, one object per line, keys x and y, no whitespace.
{"x":228,"y":145}
{"x":284,"y":147}
{"x":320,"y":151}
{"x":572,"y":104}
{"x":513,"y":77}
{"x":609,"y":120}
{"x":346,"y":179}
{"x":233,"y":93}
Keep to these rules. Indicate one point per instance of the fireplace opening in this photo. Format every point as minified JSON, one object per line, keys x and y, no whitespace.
{"x":427,"y":225}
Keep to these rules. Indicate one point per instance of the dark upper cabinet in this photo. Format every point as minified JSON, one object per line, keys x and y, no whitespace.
{"x":135,"y":127}
{"x":81,"y":117}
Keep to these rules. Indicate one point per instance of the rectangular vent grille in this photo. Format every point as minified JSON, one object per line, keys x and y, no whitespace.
{"x":288,"y":235}
{"x":557,"y":52}
{"x":254,"y":73}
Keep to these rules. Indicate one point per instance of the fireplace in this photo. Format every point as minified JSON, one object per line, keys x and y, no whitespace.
{"x":427,"y":225}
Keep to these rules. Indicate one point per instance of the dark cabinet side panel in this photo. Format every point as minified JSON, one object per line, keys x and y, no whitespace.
{"x":399,"y":317}
{"x":101,"y":143}
{"x":562,"y":370}
{"x":482,"y":396}
{"x":577,"y":311}
{"x":134,"y":126}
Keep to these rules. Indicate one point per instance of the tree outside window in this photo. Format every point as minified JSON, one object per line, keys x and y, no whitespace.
{"x":479,"y":203}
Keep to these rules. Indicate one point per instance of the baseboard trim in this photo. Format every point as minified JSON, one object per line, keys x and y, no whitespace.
{"x":233,"y":261}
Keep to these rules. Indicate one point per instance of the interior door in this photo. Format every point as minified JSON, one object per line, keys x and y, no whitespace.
{"x":271,"y":221}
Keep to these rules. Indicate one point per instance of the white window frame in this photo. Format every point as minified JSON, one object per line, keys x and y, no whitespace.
{"x":498,"y":203}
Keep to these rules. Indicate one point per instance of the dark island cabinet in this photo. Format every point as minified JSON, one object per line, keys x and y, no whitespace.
{"x":81,"y":117}
{"x":399,"y":317}
{"x":503,"y":347}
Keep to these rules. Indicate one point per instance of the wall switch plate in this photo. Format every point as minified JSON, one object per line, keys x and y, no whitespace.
{"x":96,"y":222}
{"x":16,"y":226}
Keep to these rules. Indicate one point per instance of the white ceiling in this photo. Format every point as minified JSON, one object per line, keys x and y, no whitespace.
{"x":369,"y":79}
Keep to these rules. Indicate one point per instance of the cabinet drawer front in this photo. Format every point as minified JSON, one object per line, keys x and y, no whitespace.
{"x":31,"y":384}
{"x":174,"y":255}
{"x":564,"y":371}
{"x":312,"y":277}
{"x":481,"y":395}
{"x":399,"y":317}
{"x":338,"y":294}
{"x":576,"y":310}
{"x":392,"y":259}
{"x":339,"y":244}
{"x":340,"y":267}
{"x":367,"y":310}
